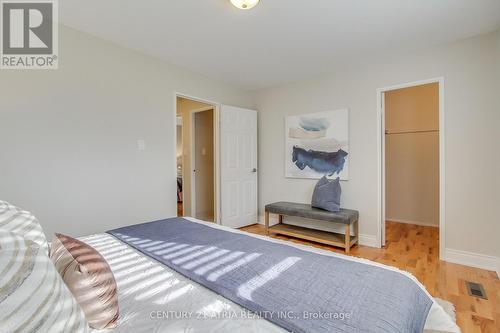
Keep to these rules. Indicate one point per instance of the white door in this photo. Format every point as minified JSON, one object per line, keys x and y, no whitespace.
{"x":238,"y":133}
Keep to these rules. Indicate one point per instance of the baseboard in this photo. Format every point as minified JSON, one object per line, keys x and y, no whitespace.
{"x":368,"y":240}
{"x":498,"y":267}
{"x":424,"y":224}
{"x":471,"y":259}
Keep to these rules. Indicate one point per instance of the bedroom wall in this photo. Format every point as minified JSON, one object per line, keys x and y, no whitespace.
{"x":472,"y":136}
{"x":412,"y":158}
{"x":69,"y":136}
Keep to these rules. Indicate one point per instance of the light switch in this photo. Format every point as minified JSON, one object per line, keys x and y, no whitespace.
{"x":141,"y":145}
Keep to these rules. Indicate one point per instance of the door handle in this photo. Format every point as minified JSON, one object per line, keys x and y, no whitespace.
{"x":254,"y":170}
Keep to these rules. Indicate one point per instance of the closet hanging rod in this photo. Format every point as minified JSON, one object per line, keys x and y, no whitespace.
{"x":406,"y":132}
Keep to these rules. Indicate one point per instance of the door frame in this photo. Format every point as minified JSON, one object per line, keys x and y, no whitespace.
{"x":381,"y":159}
{"x":216,"y":107}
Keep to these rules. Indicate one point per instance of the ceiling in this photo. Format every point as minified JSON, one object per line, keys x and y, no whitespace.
{"x":279,"y":40}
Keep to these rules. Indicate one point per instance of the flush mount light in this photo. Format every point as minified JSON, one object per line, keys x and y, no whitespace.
{"x":244,"y":4}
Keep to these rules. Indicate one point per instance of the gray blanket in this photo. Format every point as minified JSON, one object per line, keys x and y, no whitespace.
{"x":298,"y":290}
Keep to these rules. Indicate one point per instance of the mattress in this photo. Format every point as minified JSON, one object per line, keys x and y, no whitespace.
{"x":154,"y":298}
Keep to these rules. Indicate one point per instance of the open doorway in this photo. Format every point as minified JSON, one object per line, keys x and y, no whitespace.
{"x":203,"y":164}
{"x":412,"y":170}
{"x":179,"y":159}
{"x":196,"y":185}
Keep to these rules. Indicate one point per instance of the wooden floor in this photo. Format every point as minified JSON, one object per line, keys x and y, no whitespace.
{"x":179,"y":209}
{"x":416,"y":249}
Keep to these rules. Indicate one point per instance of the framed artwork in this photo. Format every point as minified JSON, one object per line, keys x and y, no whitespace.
{"x":317,"y":144}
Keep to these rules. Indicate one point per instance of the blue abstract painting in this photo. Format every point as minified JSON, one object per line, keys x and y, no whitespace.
{"x":317,"y":144}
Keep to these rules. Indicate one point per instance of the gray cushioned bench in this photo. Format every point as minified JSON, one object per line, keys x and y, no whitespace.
{"x":348,"y":217}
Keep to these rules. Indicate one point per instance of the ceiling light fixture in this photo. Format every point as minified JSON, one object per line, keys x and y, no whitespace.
{"x":244,"y":4}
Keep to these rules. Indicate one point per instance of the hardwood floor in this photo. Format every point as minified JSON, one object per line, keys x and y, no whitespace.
{"x":416,"y":249}
{"x":180,"y":209}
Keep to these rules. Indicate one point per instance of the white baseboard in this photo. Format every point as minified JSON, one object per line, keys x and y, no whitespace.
{"x":471,"y":259}
{"x":368,"y":240}
{"x":498,"y":267}
{"x":425,"y":224}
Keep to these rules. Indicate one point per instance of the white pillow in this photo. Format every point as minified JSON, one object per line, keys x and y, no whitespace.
{"x":22,"y":223}
{"x":33,"y":296}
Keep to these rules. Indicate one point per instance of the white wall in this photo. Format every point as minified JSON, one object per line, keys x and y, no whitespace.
{"x":412,"y":157}
{"x":69,"y":136}
{"x":472,"y":135}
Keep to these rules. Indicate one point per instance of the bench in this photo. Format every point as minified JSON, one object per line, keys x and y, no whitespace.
{"x":347,"y":217}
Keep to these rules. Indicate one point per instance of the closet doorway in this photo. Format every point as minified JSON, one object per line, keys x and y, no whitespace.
{"x":412,"y":162}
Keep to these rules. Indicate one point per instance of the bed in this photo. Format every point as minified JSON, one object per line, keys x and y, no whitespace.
{"x":156,"y":298}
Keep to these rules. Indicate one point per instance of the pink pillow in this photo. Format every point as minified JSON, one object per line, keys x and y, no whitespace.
{"x":89,"y":277}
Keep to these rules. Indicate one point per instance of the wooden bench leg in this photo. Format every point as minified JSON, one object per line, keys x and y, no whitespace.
{"x":347,"y":238}
{"x":267,"y":222}
{"x":356,"y":231}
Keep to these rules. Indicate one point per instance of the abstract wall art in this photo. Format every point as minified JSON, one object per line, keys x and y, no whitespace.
{"x":317,"y":144}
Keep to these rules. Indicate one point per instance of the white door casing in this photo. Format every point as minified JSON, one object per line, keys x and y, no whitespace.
{"x":382,"y":100}
{"x":238,"y":132}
